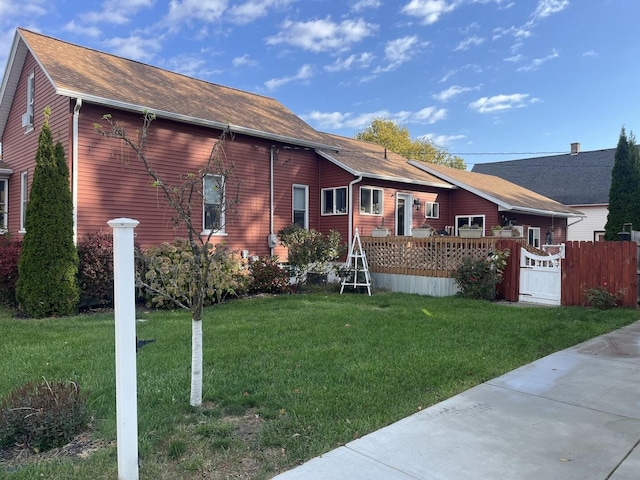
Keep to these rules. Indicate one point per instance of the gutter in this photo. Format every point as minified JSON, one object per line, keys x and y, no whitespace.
{"x":74,"y":156}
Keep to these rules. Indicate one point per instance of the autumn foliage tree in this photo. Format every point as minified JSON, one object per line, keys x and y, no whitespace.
{"x":397,"y":139}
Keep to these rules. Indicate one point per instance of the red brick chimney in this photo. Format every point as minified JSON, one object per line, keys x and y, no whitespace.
{"x":575,"y":148}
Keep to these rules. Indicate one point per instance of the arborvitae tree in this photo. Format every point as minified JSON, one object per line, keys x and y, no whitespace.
{"x":624,"y":194}
{"x":47,"y":271}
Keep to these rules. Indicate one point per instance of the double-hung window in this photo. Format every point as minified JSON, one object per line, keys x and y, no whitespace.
{"x":214,"y":204}
{"x":27,"y":118}
{"x":534,"y":236}
{"x":431,"y":209}
{"x":469,"y":221}
{"x":334,"y":201}
{"x":4,"y":185}
{"x":371,"y":201}
{"x":24,"y":198}
{"x":300,"y":210}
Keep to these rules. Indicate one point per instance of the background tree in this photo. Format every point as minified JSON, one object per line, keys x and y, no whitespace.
{"x":624,"y":194}
{"x":397,"y":139}
{"x":184,"y":283}
{"x":47,"y":283}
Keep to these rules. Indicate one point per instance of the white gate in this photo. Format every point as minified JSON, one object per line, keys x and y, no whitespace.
{"x":539,"y":278}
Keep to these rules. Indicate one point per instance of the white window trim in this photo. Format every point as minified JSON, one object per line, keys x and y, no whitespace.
{"x":334,"y":190}
{"x":380,"y":211}
{"x":31,"y":79}
{"x":468,"y":218}
{"x":4,"y":210}
{"x":24,"y":199}
{"x":435,"y":206}
{"x":306,"y":203}
{"x":208,"y":231}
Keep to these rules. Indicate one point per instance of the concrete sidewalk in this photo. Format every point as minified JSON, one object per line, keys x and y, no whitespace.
{"x":572,"y":415}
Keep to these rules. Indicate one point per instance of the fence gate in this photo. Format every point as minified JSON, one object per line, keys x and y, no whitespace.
{"x":539,"y":278}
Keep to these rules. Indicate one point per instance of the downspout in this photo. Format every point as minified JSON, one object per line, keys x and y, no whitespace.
{"x":352,"y":209}
{"x":271,"y":200}
{"x":74,"y":167}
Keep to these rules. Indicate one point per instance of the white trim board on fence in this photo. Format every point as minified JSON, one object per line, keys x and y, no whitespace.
{"x":430,"y":286}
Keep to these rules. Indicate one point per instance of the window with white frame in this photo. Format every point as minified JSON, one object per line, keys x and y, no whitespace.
{"x":371,"y":201}
{"x":469,"y":221}
{"x":300,"y":206}
{"x":214,"y":204}
{"x":334,"y":201}
{"x":4,"y":185}
{"x":432,"y":209}
{"x":27,"y":119}
{"x":24,"y":198}
{"x":534,"y":236}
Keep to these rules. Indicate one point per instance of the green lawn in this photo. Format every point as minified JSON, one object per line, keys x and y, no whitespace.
{"x":285,"y":378}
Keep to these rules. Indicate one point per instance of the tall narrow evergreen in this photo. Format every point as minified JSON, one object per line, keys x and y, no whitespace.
{"x":47,"y":283}
{"x":624,"y":194}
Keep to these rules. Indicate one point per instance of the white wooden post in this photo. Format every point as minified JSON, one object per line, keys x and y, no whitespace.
{"x":125,"y":317}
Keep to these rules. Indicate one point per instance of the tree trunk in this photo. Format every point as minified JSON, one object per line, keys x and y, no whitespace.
{"x":196,"y":363}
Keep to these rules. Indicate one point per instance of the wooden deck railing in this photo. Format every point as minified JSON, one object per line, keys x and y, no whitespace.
{"x":427,"y":257}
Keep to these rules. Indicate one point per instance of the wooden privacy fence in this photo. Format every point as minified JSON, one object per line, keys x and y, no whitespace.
{"x":427,"y":257}
{"x":610,"y":265}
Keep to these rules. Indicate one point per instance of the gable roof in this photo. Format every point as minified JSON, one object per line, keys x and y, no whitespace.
{"x":578,"y":179}
{"x":506,"y":195}
{"x":105,"y":79}
{"x":371,"y":160}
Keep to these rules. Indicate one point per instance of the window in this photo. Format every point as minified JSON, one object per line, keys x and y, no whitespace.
{"x":334,"y":201}
{"x":534,"y":236}
{"x":432,"y":209}
{"x":371,"y":201}
{"x":213,"y":204}
{"x":24,"y":198}
{"x":3,"y":204}
{"x":27,"y":118}
{"x":469,"y":221}
{"x":300,"y":212}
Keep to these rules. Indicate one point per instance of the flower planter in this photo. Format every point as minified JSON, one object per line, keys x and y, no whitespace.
{"x":496,"y":232}
{"x":380,"y":232}
{"x":470,"y":232}
{"x":506,"y":233}
{"x":422,"y":232}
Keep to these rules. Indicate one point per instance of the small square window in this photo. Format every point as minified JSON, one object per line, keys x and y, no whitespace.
{"x":432,"y":210}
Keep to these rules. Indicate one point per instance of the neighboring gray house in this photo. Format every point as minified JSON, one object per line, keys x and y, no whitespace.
{"x":577,"y":179}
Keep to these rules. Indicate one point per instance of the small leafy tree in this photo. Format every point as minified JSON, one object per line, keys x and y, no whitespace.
{"x":47,"y":283}
{"x":478,"y":278}
{"x":389,"y":134}
{"x":624,"y":194}
{"x":182,"y":196}
{"x":310,"y":250}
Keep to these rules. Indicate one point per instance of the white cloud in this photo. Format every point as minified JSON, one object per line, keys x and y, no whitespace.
{"x":429,"y":115}
{"x":244,"y":61}
{"x":251,"y":10}
{"x":514,"y":58}
{"x":118,"y":12}
{"x":441,"y":140}
{"x":428,"y":10}
{"x":399,"y":51}
{"x":203,"y":10}
{"x":88,"y":31}
{"x":469,"y":42}
{"x":452,"y":91}
{"x":338,"y":120}
{"x":499,"y":103}
{"x":536,"y":63}
{"x":546,"y":8}
{"x":134,"y":47}
{"x":361,"y":5}
{"x":322,"y":35}
{"x":590,"y":53}
{"x":352,"y":61}
{"x":305,"y":72}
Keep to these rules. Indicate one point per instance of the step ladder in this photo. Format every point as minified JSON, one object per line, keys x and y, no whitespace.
{"x":357,"y":267}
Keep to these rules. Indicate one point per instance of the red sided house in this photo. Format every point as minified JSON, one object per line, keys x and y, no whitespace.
{"x":285,"y":171}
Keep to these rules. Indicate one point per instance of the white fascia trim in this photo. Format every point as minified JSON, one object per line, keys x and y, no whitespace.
{"x":546,"y":213}
{"x":5,"y":172}
{"x":195,"y":121}
{"x":382,"y":177}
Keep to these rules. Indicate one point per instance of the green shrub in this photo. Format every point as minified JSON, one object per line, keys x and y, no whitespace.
{"x":166,"y":280}
{"x":9,"y":256}
{"x":42,"y":415}
{"x":478,"y":278}
{"x":267,"y":276}
{"x":601,"y":298}
{"x":95,"y":273}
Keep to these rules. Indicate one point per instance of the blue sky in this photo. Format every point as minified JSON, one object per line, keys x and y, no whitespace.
{"x":486,"y":79}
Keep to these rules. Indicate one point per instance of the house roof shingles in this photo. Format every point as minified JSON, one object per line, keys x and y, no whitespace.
{"x":505,"y":194}
{"x":579,"y":179}
{"x":107,"y":79}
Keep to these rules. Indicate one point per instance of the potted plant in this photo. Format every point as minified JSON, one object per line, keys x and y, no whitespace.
{"x":423,"y":231}
{"x":506,"y":231}
{"x":473,"y":231}
{"x":380,"y":231}
{"x":496,"y":231}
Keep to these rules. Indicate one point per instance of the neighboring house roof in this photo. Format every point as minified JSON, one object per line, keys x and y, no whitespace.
{"x":371,"y":160}
{"x":97,"y":77}
{"x":579,"y":179}
{"x":508,"y":196}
